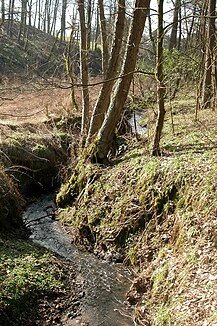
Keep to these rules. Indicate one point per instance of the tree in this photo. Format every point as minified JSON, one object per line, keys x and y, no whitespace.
{"x":173,"y":36}
{"x":107,"y":130}
{"x":3,"y":11}
{"x":84,"y":68}
{"x":160,"y":83}
{"x":103,"y":100}
{"x":63,"y":20}
{"x":209,"y":80}
{"x":104,"y":37}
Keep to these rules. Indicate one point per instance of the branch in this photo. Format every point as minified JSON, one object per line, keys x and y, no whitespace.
{"x":103,"y":81}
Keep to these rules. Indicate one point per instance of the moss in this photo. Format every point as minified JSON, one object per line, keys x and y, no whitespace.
{"x":80,"y":181}
{"x":33,"y":159}
{"x":11,"y":202}
{"x":32,"y":281}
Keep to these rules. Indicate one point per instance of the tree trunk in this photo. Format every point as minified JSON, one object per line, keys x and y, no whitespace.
{"x":106,"y":133}
{"x":173,"y":36}
{"x":89,"y":18}
{"x":3,"y":11}
{"x":22,"y":31}
{"x":161,"y":87}
{"x":208,"y":89}
{"x":11,"y":18}
{"x":104,"y":37}
{"x":97,"y":29}
{"x":84,"y":69}
{"x":53,"y":26}
{"x":63,"y":21}
{"x":103,"y":100}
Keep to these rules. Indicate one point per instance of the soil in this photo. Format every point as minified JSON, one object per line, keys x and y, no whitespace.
{"x":35,"y":103}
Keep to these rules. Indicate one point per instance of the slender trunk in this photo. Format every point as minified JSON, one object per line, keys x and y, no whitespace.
{"x":89,"y":17}
{"x":84,"y":68}
{"x":160,"y":87}
{"x":96,"y":31}
{"x":208,"y":90}
{"x":70,"y":67}
{"x":53,"y":26}
{"x":22,"y":31}
{"x":103,"y":100}
{"x":104,"y":37}
{"x":106,"y":132}
{"x":173,"y":36}
{"x":63,"y":21}
{"x":10,"y":18}
{"x":3,"y":11}
{"x":151,"y":34}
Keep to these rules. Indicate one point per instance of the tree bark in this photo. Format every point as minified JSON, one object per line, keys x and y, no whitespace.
{"x":106,"y":132}
{"x":208,"y":85}
{"x":84,"y":69}
{"x":173,"y":36}
{"x":63,"y":21}
{"x":103,"y":100}
{"x":104,"y":37}
{"x":3,"y":11}
{"x":160,"y":88}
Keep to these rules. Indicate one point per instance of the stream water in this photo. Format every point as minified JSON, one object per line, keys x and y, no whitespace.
{"x":104,"y":285}
{"x":135,"y":123}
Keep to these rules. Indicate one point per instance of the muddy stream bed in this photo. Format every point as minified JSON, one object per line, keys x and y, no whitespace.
{"x":103,"y":285}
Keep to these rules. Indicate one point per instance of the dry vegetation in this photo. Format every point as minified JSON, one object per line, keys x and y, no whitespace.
{"x":158,"y":215}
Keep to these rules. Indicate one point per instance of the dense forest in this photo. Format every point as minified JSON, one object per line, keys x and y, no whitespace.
{"x":108,"y":135}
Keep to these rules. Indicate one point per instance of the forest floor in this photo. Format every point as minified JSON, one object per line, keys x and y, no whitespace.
{"x":157,"y":215}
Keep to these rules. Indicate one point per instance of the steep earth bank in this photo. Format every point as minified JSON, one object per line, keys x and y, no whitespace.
{"x":158,"y":215}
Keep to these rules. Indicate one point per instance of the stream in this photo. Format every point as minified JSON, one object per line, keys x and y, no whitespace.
{"x":103,"y":285}
{"x":135,"y":123}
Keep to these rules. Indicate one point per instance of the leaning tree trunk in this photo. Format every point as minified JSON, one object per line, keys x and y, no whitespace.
{"x":160,"y":87}
{"x":103,"y":100}
{"x":106,"y":132}
{"x":83,"y":68}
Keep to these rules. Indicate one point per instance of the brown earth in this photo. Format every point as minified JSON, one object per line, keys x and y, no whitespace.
{"x":37,"y":102}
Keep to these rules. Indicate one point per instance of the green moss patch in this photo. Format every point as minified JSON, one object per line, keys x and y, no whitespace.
{"x":35,"y":285}
{"x":11,"y":202}
{"x":33,"y":156}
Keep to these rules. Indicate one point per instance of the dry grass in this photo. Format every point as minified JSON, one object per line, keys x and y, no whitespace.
{"x":160,"y":216}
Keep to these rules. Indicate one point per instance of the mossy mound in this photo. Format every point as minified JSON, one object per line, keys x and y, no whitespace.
{"x":33,"y":158}
{"x":11,"y":202}
{"x":36,"y":287}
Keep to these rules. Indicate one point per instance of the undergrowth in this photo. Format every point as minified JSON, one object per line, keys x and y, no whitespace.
{"x":29,"y":275}
{"x":159,"y":216}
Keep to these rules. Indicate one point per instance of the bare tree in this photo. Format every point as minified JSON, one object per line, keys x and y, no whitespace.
{"x":106,"y":132}
{"x":160,"y":85}
{"x":173,"y":36}
{"x":104,"y":37}
{"x":210,"y":58}
{"x":63,"y":20}
{"x":3,"y":11}
{"x":84,"y":68}
{"x":103,"y":100}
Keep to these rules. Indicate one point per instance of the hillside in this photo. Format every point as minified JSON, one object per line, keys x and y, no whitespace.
{"x":158,"y":215}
